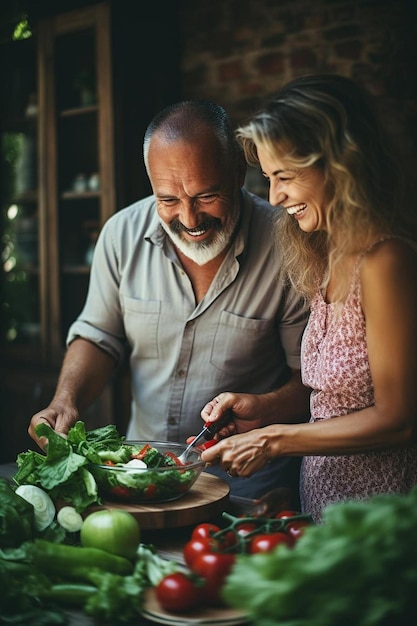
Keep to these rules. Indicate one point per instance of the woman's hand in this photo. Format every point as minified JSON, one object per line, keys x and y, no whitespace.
{"x":241,"y":455}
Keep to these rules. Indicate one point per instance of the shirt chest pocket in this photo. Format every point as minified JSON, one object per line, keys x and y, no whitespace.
{"x":141,"y":319}
{"x":241,"y":344}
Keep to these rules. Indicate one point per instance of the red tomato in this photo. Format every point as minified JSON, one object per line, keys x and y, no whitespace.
{"x":121,"y":492}
{"x":204,"y":530}
{"x":174,"y":457}
{"x":267,"y":542}
{"x":195,"y":547}
{"x":296,"y":528}
{"x":245,"y":528}
{"x":177,"y":593}
{"x":150,"y":491}
{"x":227,"y":540}
{"x":286,"y":514}
{"x":213,"y":568}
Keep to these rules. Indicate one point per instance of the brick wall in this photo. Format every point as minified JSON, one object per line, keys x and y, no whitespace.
{"x":236,"y":52}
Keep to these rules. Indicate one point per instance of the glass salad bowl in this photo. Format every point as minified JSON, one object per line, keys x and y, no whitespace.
{"x":147,"y":471}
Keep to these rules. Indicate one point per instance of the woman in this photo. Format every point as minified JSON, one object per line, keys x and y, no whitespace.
{"x":348,"y":248}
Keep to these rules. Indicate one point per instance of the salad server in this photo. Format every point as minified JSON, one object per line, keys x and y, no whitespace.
{"x":207,"y":432}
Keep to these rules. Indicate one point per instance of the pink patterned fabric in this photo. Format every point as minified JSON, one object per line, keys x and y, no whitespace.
{"x":335,"y":365}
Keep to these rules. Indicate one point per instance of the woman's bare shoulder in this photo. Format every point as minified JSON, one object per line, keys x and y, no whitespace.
{"x":390,"y":255}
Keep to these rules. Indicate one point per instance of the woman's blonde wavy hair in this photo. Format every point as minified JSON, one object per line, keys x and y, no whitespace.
{"x":327,"y":121}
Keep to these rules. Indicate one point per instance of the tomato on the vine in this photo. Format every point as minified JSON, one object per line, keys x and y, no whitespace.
{"x":245,"y":528}
{"x":204,"y":530}
{"x":227,"y":540}
{"x":267,"y":542}
{"x":286,"y":514}
{"x":177,"y":593}
{"x":213,"y":568}
{"x":196,"y":547}
{"x":296,"y":528}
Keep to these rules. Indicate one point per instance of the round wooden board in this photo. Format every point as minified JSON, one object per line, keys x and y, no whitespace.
{"x":206,"y":616}
{"x":207,"y":498}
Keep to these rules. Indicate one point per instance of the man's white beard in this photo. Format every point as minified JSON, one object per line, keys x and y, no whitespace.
{"x":202,"y":252}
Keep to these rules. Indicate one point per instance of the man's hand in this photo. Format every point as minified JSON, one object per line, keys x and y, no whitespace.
{"x":60,"y":419}
{"x":245,"y":410}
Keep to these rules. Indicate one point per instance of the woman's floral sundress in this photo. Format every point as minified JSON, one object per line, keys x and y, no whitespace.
{"x":335,"y":365}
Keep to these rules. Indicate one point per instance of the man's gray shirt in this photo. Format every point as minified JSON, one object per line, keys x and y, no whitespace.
{"x":241,"y":337}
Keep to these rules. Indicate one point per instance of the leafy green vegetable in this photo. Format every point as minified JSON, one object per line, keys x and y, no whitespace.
{"x":17,"y":517}
{"x":121,"y":455}
{"x":152,"y":567}
{"x":40,"y":576}
{"x":21,"y":589}
{"x":358,"y":567}
{"x":70,"y":471}
{"x":154,"y":458}
{"x":63,"y":472}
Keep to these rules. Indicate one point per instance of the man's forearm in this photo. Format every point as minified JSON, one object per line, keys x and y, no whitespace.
{"x":288,"y":404}
{"x":85,"y":372}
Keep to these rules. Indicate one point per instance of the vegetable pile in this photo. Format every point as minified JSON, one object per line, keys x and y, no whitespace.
{"x":358,"y":567}
{"x":78,"y":469}
{"x":41,"y":573}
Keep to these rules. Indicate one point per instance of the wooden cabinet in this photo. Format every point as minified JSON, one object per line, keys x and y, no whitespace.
{"x":58,"y":181}
{"x":76,"y":98}
{"x":77,"y":173}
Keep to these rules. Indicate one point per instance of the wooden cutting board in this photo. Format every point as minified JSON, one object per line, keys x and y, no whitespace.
{"x":205,"y":616}
{"x":206,"y":499}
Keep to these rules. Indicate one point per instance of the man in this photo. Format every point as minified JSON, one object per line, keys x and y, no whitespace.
{"x":185,"y":283}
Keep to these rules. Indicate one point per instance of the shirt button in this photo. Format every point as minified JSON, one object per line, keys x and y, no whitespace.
{"x":181,"y":373}
{"x":190,"y":324}
{"x":172,"y":421}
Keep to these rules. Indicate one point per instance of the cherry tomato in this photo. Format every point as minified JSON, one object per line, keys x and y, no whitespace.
{"x":150,"y":491}
{"x":213,"y":568}
{"x":245,"y":528}
{"x":268,"y":542}
{"x":195,"y":547}
{"x":296,"y":528}
{"x":121,"y":492}
{"x":174,"y":457}
{"x":227,"y":540}
{"x":177,"y":593}
{"x":204,"y":530}
{"x":286,"y":514}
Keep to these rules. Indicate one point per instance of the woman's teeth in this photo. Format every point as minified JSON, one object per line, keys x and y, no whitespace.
{"x":297,"y":208}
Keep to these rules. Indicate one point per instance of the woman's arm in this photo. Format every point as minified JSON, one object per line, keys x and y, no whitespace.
{"x":389,"y":300}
